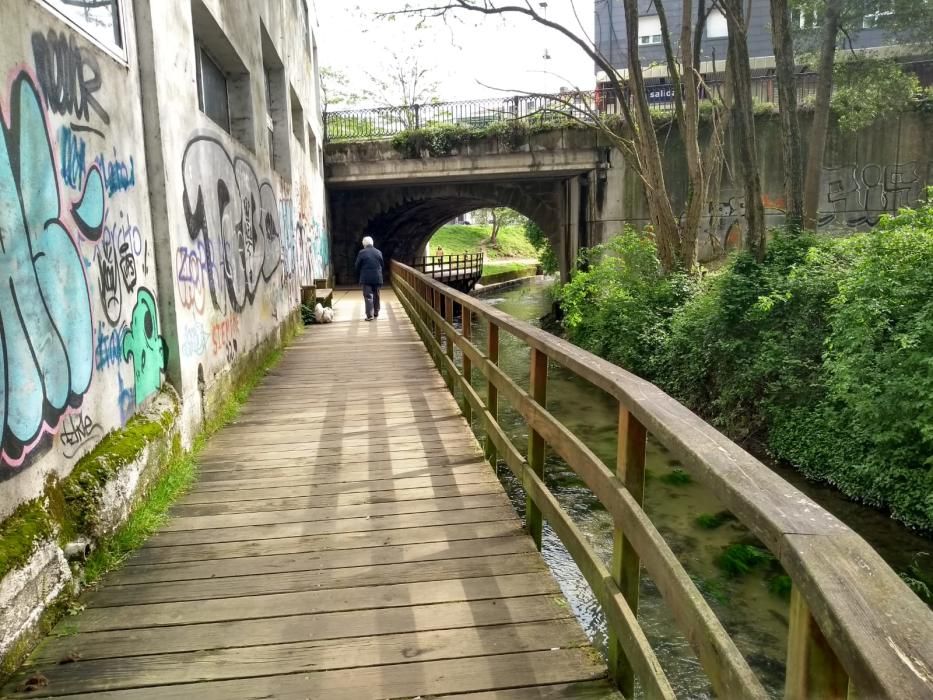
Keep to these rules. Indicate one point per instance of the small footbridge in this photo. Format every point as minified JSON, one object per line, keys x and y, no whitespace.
{"x":461,"y":272}
{"x":348,"y":539}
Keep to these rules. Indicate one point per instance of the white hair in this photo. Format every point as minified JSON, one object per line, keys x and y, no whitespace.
{"x":368,"y":242}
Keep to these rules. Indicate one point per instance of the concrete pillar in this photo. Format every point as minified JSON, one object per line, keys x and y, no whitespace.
{"x":573,"y":221}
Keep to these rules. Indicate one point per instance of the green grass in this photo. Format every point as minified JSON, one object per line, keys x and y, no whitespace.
{"x":495,"y":267}
{"x":459,"y":239}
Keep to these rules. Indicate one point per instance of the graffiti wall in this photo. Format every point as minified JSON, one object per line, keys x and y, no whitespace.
{"x":865,"y":174}
{"x":79,"y":323}
{"x":246,"y":218}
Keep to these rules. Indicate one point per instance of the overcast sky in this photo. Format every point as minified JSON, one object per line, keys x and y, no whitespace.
{"x":505,"y":53}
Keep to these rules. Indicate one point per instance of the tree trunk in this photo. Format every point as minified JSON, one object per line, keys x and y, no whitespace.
{"x":660,"y":210}
{"x":820,"y":126}
{"x":744,"y":122}
{"x":790,"y":124}
{"x":494,"y":238}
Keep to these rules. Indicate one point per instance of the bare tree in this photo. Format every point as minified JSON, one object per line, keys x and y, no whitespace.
{"x":744,"y":124}
{"x":636,"y":137}
{"x":785,"y":65}
{"x":403,"y":80}
{"x":820,"y":127}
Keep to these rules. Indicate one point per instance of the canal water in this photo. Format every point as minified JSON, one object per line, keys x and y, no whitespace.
{"x":752,"y":606}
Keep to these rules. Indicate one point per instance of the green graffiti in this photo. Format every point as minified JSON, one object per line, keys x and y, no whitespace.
{"x":146,"y":345}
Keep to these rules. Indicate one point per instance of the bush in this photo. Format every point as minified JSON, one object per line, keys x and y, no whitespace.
{"x":823,"y":352}
{"x":872,"y":433}
{"x":542,"y":246}
{"x":620,"y":305}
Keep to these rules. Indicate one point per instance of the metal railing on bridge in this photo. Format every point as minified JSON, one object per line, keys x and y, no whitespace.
{"x":385,"y":122}
{"x":855,"y":628}
{"x":461,"y":272}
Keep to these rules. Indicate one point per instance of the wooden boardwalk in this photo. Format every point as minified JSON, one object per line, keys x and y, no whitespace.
{"x":345,"y":540}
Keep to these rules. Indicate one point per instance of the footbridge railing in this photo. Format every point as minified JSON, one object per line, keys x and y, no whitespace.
{"x":855,"y":629}
{"x":461,"y":272}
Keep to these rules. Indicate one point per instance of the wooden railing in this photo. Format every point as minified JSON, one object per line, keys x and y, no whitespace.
{"x":459,"y":271}
{"x":855,"y":629}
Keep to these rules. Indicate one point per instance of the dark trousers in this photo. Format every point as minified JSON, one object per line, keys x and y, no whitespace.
{"x":371,"y":297}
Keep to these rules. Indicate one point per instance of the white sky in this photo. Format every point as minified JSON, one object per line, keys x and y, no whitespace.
{"x":501,"y":52}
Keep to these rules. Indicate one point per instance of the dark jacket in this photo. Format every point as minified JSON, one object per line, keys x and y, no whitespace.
{"x":369,"y":266}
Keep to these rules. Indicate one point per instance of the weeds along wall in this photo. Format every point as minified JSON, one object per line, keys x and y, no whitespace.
{"x":161,"y":204}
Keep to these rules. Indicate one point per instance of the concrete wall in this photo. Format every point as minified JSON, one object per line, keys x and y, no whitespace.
{"x":242,"y":235}
{"x":141,"y":244}
{"x":865,"y":174}
{"x":79,"y":318}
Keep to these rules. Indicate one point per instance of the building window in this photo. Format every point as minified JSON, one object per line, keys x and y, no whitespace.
{"x":312,"y":150}
{"x":276,"y":106}
{"x":298,"y":117}
{"x":224,"y":86}
{"x":876,"y":12}
{"x":99,"y":18}
{"x":649,"y":30}
{"x":806,"y":19}
{"x":306,"y":23}
{"x":716,"y":25}
{"x":213,"y":98}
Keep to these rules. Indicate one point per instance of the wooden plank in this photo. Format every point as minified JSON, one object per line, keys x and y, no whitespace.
{"x":375,"y":524}
{"x":334,"y":543}
{"x":366,"y":510}
{"x":315,"y":500}
{"x":306,"y":602}
{"x":464,"y":479}
{"x":407,"y":680}
{"x":315,"y":561}
{"x":310,"y":656}
{"x":298,"y":628}
{"x":587,"y":690}
{"x":337,"y":545}
{"x":310,"y":579}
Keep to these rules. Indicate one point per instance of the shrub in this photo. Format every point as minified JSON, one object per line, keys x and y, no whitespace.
{"x":619,"y":306}
{"x":542,"y":246}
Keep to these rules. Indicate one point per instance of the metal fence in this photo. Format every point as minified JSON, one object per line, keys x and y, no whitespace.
{"x":385,"y":122}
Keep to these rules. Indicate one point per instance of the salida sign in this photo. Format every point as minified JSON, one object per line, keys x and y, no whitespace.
{"x":660,"y":93}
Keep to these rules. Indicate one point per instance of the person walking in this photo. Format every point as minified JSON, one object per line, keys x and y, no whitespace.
{"x":369,"y":266}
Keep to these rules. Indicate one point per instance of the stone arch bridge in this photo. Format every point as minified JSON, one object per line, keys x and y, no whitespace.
{"x":402,"y":201}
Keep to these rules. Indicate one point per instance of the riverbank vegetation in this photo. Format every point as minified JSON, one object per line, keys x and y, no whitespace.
{"x":821,"y":353}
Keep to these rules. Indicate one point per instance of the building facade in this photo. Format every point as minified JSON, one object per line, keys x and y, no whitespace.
{"x":611,"y":37}
{"x":161,"y":206}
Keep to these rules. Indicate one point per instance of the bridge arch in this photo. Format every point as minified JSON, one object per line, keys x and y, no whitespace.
{"x":402,"y":219}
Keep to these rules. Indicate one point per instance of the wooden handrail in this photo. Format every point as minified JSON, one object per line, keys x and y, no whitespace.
{"x":877,"y":632}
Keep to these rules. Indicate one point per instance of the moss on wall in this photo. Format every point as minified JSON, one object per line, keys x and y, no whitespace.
{"x":22,"y":532}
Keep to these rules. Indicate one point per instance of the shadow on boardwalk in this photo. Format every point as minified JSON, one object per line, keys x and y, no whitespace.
{"x":345,"y":540}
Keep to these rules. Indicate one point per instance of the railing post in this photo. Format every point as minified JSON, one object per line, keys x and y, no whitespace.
{"x":492,"y":393}
{"x":466,"y":319}
{"x":813,"y":671}
{"x":449,"y":331}
{"x":626,"y":567}
{"x":538,"y":387}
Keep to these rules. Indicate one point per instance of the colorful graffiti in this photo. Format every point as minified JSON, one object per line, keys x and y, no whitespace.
{"x":144,"y":343}
{"x":45,"y":308}
{"x":236,"y":219}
